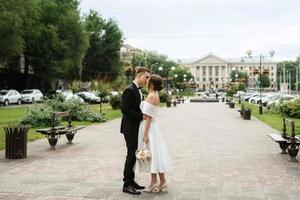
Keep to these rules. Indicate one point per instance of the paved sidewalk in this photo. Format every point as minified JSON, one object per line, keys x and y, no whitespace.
{"x":215,"y":155}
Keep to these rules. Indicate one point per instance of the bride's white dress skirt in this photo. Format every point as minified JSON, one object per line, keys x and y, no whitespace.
{"x":160,"y":161}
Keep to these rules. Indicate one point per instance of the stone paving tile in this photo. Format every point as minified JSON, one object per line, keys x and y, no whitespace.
{"x":215,"y":156}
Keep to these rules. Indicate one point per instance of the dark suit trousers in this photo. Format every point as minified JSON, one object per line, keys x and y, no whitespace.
{"x":131,"y":144}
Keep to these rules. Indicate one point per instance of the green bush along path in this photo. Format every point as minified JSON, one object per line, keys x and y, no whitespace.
{"x":13,"y":115}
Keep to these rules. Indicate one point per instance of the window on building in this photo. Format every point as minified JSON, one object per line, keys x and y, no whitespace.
{"x":272,"y":67}
{"x":204,"y":79}
{"x":217,"y":79}
{"x":198,"y":67}
{"x":217,"y":86}
{"x":272,"y":74}
{"x":198,"y":79}
{"x":210,"y":71}
{"x":204,"y":71}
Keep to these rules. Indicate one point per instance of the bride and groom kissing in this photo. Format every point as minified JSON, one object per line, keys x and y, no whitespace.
{"x":139,"y":127}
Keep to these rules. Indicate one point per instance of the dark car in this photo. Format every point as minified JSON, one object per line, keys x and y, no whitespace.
{"x":89,"y":97}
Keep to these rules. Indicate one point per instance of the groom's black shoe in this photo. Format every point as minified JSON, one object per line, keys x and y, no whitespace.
{"x":137,"y":186}
{"x":130,"y":189}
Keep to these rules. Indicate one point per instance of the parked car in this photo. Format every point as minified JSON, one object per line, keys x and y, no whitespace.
{"x":9,"y":97}
{"x":272,"y":99}
{"x":89,"y":97}
{"x":284,"y":98}
{"x":253,"y":98}
{"x":31,"y":95}
{"x":68,"y":95}
{"x":267,"y":98}
{"x":114,"y":93}
{"x":248,"y":96}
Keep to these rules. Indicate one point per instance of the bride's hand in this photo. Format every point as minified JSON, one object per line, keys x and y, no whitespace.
{"x":146,"y":139}
{"x":144,"y":117}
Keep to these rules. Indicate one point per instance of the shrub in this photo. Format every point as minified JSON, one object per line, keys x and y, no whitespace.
{"x":289,"y":109}
{"x":163,"y":96}
{"x":40,"y":115}
{"x":115,"y":102}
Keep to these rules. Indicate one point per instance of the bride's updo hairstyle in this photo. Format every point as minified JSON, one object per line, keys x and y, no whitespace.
{"x":156,"y":81}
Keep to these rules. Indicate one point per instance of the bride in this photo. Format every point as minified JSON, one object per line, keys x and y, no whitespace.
{"x":151,"y":137}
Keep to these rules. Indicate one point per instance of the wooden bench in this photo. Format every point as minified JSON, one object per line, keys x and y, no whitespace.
{"x":286,"y":142}
{"x":54,"y":132}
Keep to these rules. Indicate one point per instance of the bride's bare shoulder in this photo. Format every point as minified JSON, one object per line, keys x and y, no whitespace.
{"x":152,"y":99}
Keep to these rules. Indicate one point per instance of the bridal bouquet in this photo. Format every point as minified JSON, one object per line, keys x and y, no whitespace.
{"x":143,"y":154}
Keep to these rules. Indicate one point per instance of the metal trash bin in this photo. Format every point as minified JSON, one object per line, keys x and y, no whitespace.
{"x":16,"y":142}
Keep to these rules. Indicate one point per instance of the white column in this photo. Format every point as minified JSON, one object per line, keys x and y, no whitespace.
{"x":226,"y":73}
{"x":207,"y":74}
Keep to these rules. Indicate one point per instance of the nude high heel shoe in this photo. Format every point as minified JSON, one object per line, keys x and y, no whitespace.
{"x":153,"y":189}
{"x":163,"y":188}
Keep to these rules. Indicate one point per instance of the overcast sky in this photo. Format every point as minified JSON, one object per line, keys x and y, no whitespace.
{"x":193,"y":28}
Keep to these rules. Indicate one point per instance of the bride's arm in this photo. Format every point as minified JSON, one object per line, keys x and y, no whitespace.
{"x":146,"y":131}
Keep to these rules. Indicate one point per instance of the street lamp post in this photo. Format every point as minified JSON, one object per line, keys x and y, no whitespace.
{"x":249,"y":52}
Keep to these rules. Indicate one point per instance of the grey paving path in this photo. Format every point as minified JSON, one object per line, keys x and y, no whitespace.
{"x":215,"y":155}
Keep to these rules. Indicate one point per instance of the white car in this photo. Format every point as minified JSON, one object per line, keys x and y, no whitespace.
{"x":284,"y":98}
{"x":68,"y":95}
{"x":274,"y":98}
{"x":10,"y":96}
{"x":31,"y":95}
{"x":253,"y":98}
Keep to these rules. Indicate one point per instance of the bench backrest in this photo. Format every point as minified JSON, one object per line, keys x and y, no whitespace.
{"x":61,"y":114}
{"x":284,"y":129}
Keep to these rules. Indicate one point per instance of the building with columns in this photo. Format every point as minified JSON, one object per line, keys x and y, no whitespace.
{"x":212,"y":71}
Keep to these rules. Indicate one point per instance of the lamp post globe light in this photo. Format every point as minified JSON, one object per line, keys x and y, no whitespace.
{"x":271,"y":52}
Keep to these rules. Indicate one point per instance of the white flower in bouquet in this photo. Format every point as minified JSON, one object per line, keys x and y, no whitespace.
{"x":143,"y":155}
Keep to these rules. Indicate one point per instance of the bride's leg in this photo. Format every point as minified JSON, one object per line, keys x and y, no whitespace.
{"x":163,"y":187}
{"x":153,"y":179}
{"x":162,"y":179}
{"x":153,"y":187}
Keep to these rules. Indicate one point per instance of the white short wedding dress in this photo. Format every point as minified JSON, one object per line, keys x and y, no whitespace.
{"x":160,"y":161}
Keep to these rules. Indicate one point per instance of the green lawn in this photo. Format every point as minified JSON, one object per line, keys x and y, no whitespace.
{"x":274,"y":120}
{"x":13,"y":115}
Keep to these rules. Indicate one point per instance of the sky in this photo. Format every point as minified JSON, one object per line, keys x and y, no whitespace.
{"x":190,"y":29}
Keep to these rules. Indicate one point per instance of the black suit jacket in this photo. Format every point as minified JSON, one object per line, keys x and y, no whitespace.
{"x":132,"y":114}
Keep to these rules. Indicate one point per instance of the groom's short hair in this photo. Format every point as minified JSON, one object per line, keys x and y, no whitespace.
{"x":139,"y":70}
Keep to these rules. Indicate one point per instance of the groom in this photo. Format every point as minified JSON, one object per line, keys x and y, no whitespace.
{"x":132,"y":116}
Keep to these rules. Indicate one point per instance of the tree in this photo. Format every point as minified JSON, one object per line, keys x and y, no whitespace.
{"x":102,"y":59}
{"x":12,"y":14}
{"x":180,"y":77}
{"x":49,"y":34}
{"x":288,"y":66}
{"x":264,"y":81}
{"x":242,"y":77}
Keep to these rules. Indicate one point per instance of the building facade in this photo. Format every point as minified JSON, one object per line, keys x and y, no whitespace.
{"x":213,"y":72}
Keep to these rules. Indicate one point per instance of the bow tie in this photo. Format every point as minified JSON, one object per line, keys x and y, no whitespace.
{"x":140,"y":88}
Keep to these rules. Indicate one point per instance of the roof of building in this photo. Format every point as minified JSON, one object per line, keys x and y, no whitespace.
{"x":238,"y":60}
